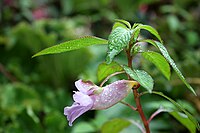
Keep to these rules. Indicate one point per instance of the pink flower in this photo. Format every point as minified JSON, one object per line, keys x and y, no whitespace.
{"x":92,"y":97}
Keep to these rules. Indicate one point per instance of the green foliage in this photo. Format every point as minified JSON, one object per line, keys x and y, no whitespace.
{"x":192,"y":120}
{"x":164,"y":52}
{"x":72,"y":45}
{"x":83,"y":127}
{"x":151,"y":30}
{"x":159,"y":61}
{"x":183,"y":119}
{"x":115,"y":125}
{"x":124,"y":22}
{"x":142,"y":77}
{"x":117,"y":40}
{"x":35,"y":102}
{"x":104,"y":70}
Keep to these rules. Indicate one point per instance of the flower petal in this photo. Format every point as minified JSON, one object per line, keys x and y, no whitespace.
{"x":82,"y":99}
{"x":75,"y":111}
{"x":112,"y":94}
{"x":84,"y":87}
{"x":82,"y":103}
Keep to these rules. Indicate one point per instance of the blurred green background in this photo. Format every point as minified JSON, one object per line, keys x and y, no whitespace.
{"x":34,"y":92}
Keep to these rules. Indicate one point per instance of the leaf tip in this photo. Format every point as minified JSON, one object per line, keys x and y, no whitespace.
{"x":34,"y":56}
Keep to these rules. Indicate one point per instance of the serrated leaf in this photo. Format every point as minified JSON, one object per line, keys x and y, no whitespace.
{"x":164,"y":52}
{"x":117,"y":40}
{"x":104,"y":70}
{"x":142,"y":77}
{"x":72,"y":45}
{"x":115,"y":125}
{"x":124,"y":22}
{"x":159,"y":61}
{"x":190,"y":117}
{"x":184,"y":120}
{"x":151,"y":30}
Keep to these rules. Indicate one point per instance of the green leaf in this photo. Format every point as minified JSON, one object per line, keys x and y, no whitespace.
{"x":164,"y":52}
{"x":118,"y":24}
{"x":190,"y":117}
{"x":115,"y":125}
{"x":83,"y":127}
{"x":124,"y":22}
{"x":152,"y":42}
{"x":105,"y":70}
{"x":72,"y":45}
{"x":117,"y":40}
{"x":159,"y":61}
{"x":135,"y":25}
{"x":135,"y":34}
{"x":142,"y":77}
{"x":151,"y":30}
{"x":184,"y":120}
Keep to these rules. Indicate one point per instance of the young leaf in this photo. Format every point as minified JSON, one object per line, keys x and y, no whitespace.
{"x":104,"y":70}
{"x":184,"y":120}
{"x":159,"y":61}
{"x":164,"y":52}
{"x":117,"y":40}
{"x":72,"y":45}
{"x":142,"y":77}
{"x":115,"y":125}
{"x":135,"y":34}
{"x":124,"y":22}
{"x":149,"y":41}
{"x":190,"y":117}
{"x":118,"y":24}
{"x":151,"y":30}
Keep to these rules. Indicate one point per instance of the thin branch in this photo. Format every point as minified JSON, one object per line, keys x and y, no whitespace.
{"x":107,"y":78}
{"x":138,"y":125}
{"x":133,"y":108}
{"x":156,"y":113}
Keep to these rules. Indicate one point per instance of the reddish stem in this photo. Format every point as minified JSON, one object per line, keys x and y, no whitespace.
{"x":136,"y":94}
{"x":133,"y":108}
{"x":139,"y":109}
{"x":156,"y":113}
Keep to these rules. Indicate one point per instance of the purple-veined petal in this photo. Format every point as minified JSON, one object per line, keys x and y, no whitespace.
{"x":82,"y":98}
{"x":75,"y":111}
{"x":82,"y":104}
{"x":85,"y":86}
{"x":112,"y":94}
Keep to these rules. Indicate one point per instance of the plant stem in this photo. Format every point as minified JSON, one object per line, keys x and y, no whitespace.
{"x":133,"y":108}
{"x":105,"y":80}
{"x":156,"y":113}
{"x":136,"y":94}
{"x":139,"y":109}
